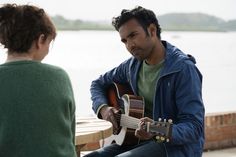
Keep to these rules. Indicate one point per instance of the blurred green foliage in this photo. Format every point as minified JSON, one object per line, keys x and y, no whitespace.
{"x":65,"y":24}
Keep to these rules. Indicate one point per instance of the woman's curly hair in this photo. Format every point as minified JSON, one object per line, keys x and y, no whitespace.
{"x":20,"y":25}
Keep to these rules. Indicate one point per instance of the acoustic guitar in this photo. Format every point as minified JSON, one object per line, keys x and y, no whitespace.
{"x":132,"y":109}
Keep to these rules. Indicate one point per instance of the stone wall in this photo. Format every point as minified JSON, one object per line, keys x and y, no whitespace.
{"x":220,"y":130}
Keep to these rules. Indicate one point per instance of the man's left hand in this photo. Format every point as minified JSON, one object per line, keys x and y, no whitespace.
{"x":141,"y":131}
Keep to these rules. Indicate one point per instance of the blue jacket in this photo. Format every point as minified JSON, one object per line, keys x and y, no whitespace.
{"x":178,"y":97}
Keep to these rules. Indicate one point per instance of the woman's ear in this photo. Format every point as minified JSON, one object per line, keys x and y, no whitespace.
{"x":40,"y":41}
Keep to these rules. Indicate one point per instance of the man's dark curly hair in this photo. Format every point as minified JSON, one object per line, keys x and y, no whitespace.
{"x":20,"y":25}
{"x":144,"y":17}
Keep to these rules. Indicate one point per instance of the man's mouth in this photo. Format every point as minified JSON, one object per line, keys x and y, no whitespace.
{"x":135,"y":52}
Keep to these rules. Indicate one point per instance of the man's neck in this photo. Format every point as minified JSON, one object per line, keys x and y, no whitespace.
{"x":158,"y":54}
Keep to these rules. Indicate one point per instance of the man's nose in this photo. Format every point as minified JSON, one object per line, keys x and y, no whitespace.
{"x":130,"y":45}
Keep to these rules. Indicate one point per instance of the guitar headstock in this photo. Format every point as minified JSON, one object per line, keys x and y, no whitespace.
{"x":162,"y":129}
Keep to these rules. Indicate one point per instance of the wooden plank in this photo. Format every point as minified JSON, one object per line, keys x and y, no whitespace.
{"x":91,"y":129}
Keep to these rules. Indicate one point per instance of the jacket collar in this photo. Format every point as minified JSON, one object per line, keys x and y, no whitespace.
{"x":174,"y":59}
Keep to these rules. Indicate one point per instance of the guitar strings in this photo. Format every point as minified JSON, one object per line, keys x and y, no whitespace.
{"x":127,"y":121}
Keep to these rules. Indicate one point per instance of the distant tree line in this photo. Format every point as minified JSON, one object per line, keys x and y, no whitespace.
{"x":65,"y":24}
{"x":195,"y":22}
{"x":168,"y":22}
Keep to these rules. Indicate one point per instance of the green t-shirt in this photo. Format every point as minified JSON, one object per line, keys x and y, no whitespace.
{"x":147,"y":78}
{"x":37,"y":111}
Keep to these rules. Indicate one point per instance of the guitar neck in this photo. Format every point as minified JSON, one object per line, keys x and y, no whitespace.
{"x":159,"y":128}
{"x":129,"y":122}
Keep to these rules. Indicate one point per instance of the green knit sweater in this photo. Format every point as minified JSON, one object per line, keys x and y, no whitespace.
{"x":37,"y":111}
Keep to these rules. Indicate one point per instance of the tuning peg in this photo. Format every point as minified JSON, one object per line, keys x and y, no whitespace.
{"x":148,"y":126}
{"x":167,"y":140}
{"x":162,"y":138}
{"x":159,"y":119}
{"x":157,"y":137}
{"x":170,"y":121}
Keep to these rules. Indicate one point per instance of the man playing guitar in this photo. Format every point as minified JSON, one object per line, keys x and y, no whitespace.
{"x":169,"y":82}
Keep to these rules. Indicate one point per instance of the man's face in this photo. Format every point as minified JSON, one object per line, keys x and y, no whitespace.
{"x":137,"y":42}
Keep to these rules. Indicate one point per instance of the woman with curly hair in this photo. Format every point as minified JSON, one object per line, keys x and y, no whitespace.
{"x":37,"y":107}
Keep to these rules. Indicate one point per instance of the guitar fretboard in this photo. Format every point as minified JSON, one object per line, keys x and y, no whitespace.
{"x":129,"y":122}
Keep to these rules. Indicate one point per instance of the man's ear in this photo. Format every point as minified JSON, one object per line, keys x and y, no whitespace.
{"x":152,"y":30}
{"x":40,"y":41}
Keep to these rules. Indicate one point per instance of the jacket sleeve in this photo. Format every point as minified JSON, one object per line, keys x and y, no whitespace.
{"x":99,"y":86}
{"x":189,"y":126}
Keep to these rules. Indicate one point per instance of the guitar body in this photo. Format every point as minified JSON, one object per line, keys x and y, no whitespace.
{"x":121,"y":97}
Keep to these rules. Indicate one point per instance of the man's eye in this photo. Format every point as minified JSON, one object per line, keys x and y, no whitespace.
{"x":123,"y":41}
{"x":132,"y":35}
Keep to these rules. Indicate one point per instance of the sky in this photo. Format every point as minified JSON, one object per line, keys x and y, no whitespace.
{"x":104,"y":10}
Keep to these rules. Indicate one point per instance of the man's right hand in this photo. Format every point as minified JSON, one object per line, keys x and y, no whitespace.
{"x":109,"y":113}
